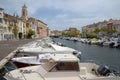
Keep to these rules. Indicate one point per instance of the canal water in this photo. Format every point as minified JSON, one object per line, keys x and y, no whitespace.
{"x":98,"y":54}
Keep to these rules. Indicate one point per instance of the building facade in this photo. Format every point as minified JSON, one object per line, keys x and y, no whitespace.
{"x":1,"y":24}
{"x":12,"y":25}
{"x":42,"y":29}
{"x":56,"y":33}
{"x":111,"y":27}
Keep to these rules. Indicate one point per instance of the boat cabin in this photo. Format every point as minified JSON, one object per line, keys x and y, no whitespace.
{"x":62,"y":62}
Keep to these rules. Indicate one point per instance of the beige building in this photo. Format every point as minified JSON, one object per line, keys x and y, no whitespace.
{"x":89,"y":29}
{"x":22,"y":27}
{"x":109,"y":25}
{"x":42,"y":29}
{"x":9,"y":22}
{"x":1,"y":24}
{"x":12,"y":25}
{"x":56,"y":33}
{"x":32,"y":25}
{"x":39,"y":27}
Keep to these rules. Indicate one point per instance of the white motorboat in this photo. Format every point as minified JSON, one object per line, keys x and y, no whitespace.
{"x":31,"y":60}
{"x":37,"y":60}
{"x":61,"y":48}
{"x":63,"y":67}
{"x":30,"y":44}
{"x":110,"y":43}
{"x":37,"y":44}
{"x":43,"y":47}
{"x":36,"y":47}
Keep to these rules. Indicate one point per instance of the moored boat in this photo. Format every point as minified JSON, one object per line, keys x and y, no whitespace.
{"x":31,"y":60}
{"x":38,"y":59}
{"x":63,"y":67}
{"x":43,"y":47}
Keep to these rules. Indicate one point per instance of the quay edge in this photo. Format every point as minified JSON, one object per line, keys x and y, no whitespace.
{"x":7,"y":58}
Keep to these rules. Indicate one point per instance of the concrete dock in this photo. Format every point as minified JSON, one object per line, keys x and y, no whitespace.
{"x":7,"y":48}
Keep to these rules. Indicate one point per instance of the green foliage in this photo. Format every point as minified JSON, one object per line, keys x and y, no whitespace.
{"x":64,"y":34}
{"x":108,"y":32}
{"x":27,"y":25}
{"x":111,"y":31}
{"x":91,"y":36}
{"x":15,"y":31}
{"x":104,"y":31}
{"x":9,"y":28}
{"x":74,"y":33}
{"x":97,"y":30}
{"x":84,"y":33}
{"x":20,"y":35}
{"x":30,"y":33}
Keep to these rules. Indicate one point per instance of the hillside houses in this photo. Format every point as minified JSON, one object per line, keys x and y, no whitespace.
{"x":105,"y":28}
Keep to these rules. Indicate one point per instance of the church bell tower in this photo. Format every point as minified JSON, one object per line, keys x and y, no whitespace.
{"x":24,"y":13}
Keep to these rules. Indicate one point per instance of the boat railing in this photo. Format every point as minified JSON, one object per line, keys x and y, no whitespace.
{"x":40,"y":75}
{"x":69,"y":59}
{"x":22,"y":75}
{"x":30,"y":71}
{"x":91,"y":61}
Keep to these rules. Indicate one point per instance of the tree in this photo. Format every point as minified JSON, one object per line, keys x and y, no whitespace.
{"x":104,"y":31}
{"x":9,"y":28}
{"x":111,"y":32}
{"x":74,"y":33}
{"x":91,"y":36}
{"x":15,"y":31}
{"x":30,"y":33}
{"x":27,"y":25}
{"x":97,"y":30}
{"x":64,"y":34}
{"x":84,"y":33}
{"x":108,"y":32}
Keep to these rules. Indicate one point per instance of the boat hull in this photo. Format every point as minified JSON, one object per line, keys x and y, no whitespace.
{"x":20,"y":64}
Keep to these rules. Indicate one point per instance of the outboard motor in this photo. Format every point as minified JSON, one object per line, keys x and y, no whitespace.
{"x":111,"y":45}
{"x":104,"y":70}
{"x":78,"y":54}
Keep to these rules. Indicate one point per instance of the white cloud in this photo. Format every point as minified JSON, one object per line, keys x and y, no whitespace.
{"x":62,"y":16}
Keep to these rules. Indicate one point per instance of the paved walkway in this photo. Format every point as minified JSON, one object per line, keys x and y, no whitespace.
{"x":8,"y":46}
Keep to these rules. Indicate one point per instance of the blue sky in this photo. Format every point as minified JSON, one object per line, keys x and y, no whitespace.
{"x":62,"y":14}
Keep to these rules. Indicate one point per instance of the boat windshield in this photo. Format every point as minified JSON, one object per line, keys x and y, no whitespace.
{"x":61,"y":66}
{"x":49,"y":65}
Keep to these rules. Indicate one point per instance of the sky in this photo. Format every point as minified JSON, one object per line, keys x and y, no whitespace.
{"x":63,"y":14}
